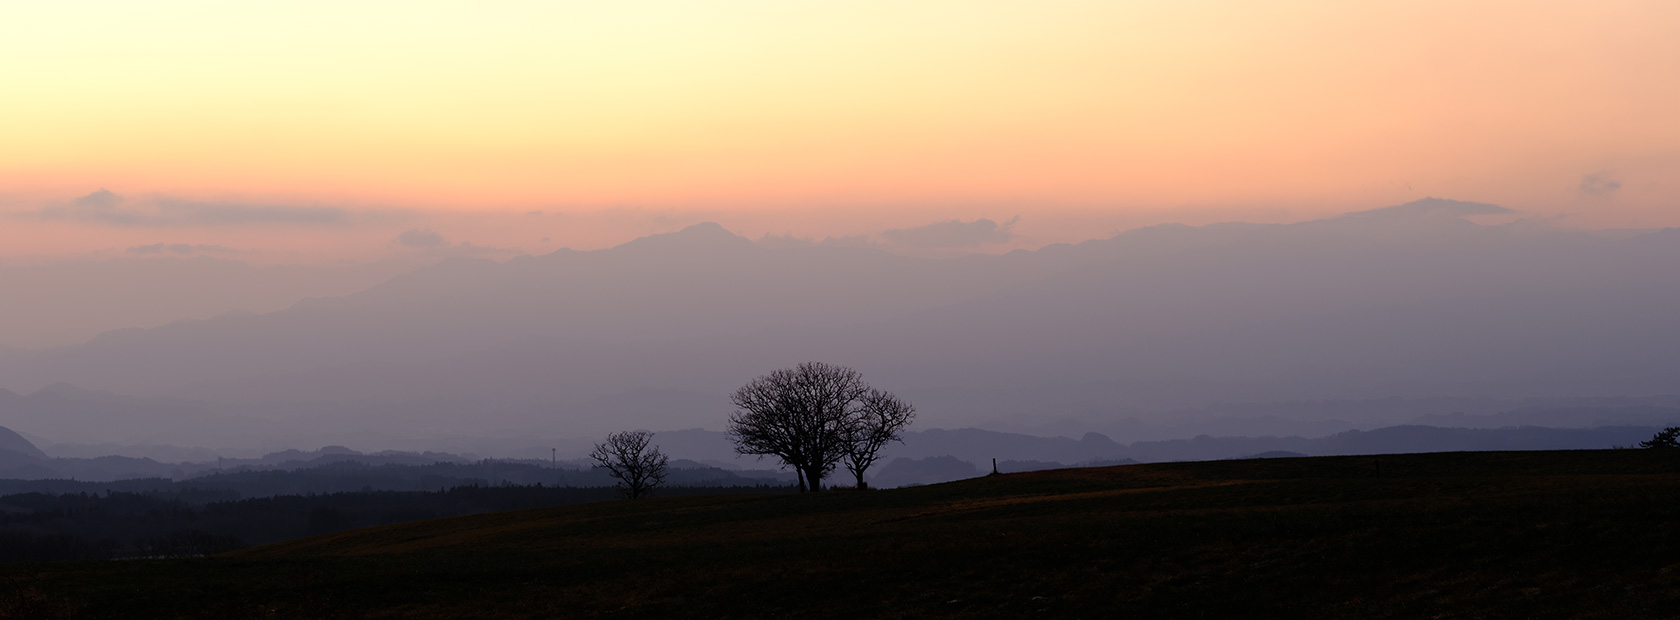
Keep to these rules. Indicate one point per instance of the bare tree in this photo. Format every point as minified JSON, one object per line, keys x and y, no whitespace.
{"x":879,"y":419}
{"x":799,"y":415}
{"x":630,"y":456}
{"x":815,"y":416}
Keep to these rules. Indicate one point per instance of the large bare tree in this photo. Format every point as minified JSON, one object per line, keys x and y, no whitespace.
{"x":879,"y":419}
{"x":632,"y":458}
{"x":809,"y":416}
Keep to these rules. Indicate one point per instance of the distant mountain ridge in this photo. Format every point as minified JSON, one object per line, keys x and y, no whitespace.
{"x":14,"y":443}
{"x":1432,"y":207}
{"x":923,"y":457}
{"x":1408,"y":301}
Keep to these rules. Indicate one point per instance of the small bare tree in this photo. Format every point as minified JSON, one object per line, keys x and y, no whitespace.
{"x":632,"y":458}
{"x":880,"y":419}
{"x":1665,"y":439}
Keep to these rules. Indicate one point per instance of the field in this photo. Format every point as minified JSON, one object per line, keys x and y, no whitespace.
{"x":1591,"y":534}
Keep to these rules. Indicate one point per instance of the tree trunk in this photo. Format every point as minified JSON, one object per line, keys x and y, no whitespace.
{"x":859,"y":473}
{"x":801,"y":473}
{"x":813,"y":477}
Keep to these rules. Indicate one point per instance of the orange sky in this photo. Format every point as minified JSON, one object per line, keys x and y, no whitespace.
{"x":826,"y":118}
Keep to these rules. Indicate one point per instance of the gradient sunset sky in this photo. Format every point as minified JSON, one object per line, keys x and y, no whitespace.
{"x":317,"y":125}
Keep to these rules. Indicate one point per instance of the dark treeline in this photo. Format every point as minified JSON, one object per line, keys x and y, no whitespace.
{"x":86,"y":525}
{"x":347,"y":476}
{"x":63,"y":519}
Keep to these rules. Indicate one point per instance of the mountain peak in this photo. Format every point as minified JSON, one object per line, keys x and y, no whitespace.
{"x":705,"y":228}
{"x":1432,"y":207}
{"x":702,"y":236}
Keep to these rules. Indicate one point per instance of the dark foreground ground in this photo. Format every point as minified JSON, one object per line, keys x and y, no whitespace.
{"x":1592,"y":534}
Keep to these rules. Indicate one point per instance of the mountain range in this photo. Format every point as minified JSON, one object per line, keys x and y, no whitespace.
{"x":1416,"y":301}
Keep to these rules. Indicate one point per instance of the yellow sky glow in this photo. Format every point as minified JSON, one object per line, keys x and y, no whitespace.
{"x":775,"y":105}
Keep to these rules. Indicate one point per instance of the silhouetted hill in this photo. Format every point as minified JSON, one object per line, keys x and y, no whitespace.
{"x":1276,"y":454}
{"x":1531,"y":534}
{"x":934,"y":469}
{"x":15,"y":443}
{"x":114,"y":523}
{"x":1394,"y":440}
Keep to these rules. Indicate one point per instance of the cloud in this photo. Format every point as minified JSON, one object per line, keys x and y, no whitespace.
{"x":181,"y":249}
{"x":420,"y":238}
{"x":431,"y":242}
{"x":104,"y":207}
{"x":954,"y":234}
{"x":1600,"y":184}
{"x":467,"y":248}
{"x":235,"y":214}
{"x":100,"y":207}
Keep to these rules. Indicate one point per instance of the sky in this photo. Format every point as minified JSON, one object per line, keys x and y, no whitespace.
{"x":304,"y":130}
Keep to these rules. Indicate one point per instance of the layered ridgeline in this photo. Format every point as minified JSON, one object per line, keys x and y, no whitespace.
{"x":706,"y":458}
{"x":1405,"y":302}
{"x":13,"y":445}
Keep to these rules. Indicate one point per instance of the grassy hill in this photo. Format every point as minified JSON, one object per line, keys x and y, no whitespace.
{"x":1452,"y":535}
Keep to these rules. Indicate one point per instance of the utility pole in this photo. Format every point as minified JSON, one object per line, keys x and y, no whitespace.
{"x":553,"y":459}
